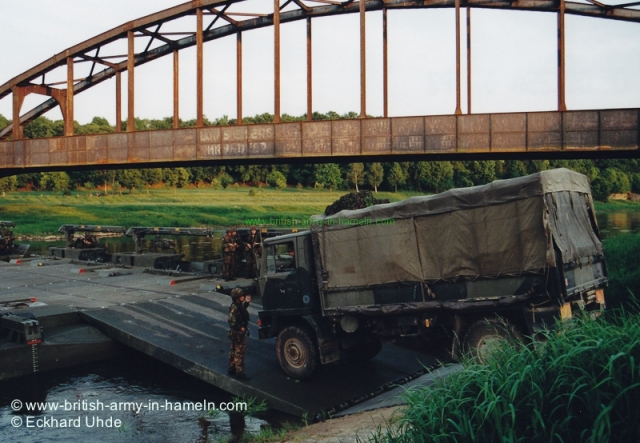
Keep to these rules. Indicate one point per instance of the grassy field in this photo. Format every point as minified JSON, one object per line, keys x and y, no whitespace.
{"x":42,"y":213}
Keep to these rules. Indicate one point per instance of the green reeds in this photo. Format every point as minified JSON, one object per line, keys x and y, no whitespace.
{"x":581,"y":385}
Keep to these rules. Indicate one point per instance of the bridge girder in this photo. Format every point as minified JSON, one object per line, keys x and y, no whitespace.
{"x":143,"y":25}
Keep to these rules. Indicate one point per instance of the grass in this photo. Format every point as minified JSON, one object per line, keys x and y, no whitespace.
{"x":623,"y":266}
{"x":617,"y":205}
{"x":582,"y":385}
{"x":42,"y":213}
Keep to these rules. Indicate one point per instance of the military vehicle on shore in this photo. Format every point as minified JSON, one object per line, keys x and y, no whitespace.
{"x":467,"y":267}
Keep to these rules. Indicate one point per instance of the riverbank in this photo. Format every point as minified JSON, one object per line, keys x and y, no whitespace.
{"x":38,"y":215}
{"x":42,"y":213}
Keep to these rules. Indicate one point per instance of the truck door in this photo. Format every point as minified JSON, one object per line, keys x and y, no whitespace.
{"x":282,"y":286}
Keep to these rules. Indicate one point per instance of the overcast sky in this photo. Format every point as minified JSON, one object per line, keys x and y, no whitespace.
{"x":513,"y":64}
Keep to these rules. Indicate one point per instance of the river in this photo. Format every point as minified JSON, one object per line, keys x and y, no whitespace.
{"x":132,"y":383}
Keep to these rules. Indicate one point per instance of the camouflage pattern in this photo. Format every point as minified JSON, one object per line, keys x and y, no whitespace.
{"x":229,"y":257}
{"x":239,"y":253}
{"x":6,"y":240}
{"x":252,"y":248}
{"x":238,"y":322}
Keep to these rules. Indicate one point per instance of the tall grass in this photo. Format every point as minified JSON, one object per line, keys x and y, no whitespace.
{"x":582,"y":385}
{"x":623,"y":266}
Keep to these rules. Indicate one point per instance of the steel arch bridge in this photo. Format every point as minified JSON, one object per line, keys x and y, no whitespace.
{"x":553,"y":131}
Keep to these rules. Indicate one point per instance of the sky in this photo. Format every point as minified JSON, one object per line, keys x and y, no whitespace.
{"x":513,"y":61}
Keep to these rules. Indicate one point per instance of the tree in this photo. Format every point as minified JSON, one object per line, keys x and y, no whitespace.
{"x":397,"y":176}
{"x":8,"y":183}
{"x":225,"y":180}
{"x":433,"y":176}
{"x":600,"y":189}
{"x":515,"y":168}
{"x":635,"y":183}
{"x":43,"y":127}
{"x":375,"y":175}
{"x":3,"y":121}
{"x":481,"y":172}
{"x":55,"y":181}
{"x":177,"y":177}
{"x":356,"y":174}
{"x":617,"y":181}
{"x":151,"y":176}
{"x":328,"y":174}
{"x":130,"y":179}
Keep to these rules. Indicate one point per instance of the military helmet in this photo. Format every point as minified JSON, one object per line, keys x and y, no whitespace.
{"x":236,"y":293}
{"x":229,"y":230}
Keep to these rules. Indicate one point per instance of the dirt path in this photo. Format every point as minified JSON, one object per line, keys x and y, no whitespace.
{"x":350,"y":429}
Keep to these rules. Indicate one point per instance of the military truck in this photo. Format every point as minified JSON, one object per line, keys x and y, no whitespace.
{"x":469,"y":266}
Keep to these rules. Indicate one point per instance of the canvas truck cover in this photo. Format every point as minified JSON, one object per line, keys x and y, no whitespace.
{"x":507,"y":227}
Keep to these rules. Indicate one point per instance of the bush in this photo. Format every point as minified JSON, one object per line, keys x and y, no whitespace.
{"x":225,"y":180}
{"x":216,"y":184}
{"x":276,"y":179}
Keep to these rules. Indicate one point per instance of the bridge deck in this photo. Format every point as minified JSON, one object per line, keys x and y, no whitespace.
{"x":186,"y":327}
{"x":532,"y":132}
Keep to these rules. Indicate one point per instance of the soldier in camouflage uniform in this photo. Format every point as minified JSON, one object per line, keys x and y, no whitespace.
{"x":251,"y":249}
{"x":6,"y":240}
{"x":229,"y":255}
{"x":239,"y":254}
{"x":238,"y":328}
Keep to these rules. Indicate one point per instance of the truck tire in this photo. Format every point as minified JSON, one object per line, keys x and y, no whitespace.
{"x":364,"y":352}
{"x":297,"y":352}
{"x":486,"y":336}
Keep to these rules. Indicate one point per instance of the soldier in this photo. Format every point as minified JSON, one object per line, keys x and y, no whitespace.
{"x":251,"y":250}
{"x":238,"y":330}
{"x":229,"y":255}
{"x":6,"y":239}
{"x":239,"y":252}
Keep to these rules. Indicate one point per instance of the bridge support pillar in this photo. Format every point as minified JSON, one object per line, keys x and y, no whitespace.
{"x":363,"y":60}
{"x":176,"y":90}
{"x":468,"y":60}
{"x":458,"y":109}
{"x":562,"y":106}
{"x":118,"y":102}
{"x":239,"y":76}
{"x":385,"y":66}
{"x":276,"y":61}
{"x":131,"y":123}
{"x":309,"y":73}
{"x":68,"y":116}
{"x":199,"y":71}
{"x":18,"y":98}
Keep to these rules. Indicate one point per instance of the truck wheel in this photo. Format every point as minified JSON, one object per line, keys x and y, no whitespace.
{"x":488,"y":336}
{"x":297,"y":352}
{"x":364,"y":352}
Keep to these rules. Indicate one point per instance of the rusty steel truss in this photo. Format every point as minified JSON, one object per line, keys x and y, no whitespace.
{"x":215,"y":19}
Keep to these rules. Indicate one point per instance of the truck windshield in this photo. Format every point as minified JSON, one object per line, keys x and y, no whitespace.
{"x":281,"y":258}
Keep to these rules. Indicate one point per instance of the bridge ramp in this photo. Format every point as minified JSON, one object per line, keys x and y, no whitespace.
{"x":190,"y":333}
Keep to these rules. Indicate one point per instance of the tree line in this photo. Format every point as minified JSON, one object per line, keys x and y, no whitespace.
{"x":607,"y":176}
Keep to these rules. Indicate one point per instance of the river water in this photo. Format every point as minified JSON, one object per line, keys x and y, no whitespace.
{"x":101,"y":393}
{"x":137,"y":378}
